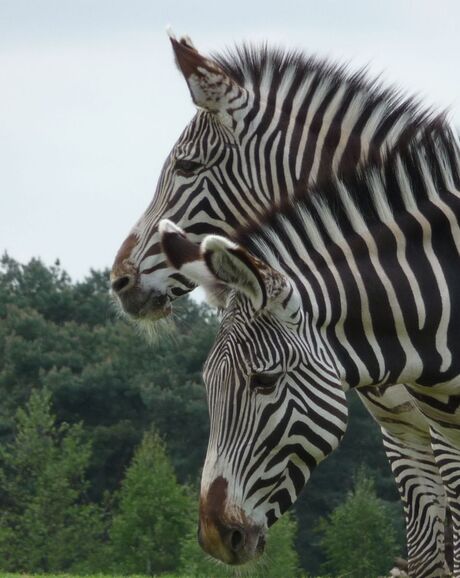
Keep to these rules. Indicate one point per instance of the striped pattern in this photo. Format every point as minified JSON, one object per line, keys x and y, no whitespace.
{"x":295,"y":120}
{"x":407,"y":441}
{"x":299,"y":119}
{"x":340,"y":247}
{"x":267,"y":446}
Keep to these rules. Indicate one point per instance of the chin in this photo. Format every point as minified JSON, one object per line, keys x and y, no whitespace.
{"x":154,"y":325}
{"x":154,"y":315}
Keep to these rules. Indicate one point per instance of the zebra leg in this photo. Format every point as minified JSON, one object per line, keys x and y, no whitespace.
{"x":447,"y":458}
{"x":407,"y":443}
{"x":443,"y":413}
{"x":422,"y":493}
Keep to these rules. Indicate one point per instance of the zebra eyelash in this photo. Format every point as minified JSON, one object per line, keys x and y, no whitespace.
{"x":187,"y":167}
{"x":264,"y":383}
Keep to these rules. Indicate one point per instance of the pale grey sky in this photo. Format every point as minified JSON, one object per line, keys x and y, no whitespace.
{"x":91,"y":101}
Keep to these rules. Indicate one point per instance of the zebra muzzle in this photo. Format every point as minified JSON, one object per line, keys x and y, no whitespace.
{"x":232,"y":544}
{"x":232,"y":538}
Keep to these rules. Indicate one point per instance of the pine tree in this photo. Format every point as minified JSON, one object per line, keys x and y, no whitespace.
{"x":359,"y":536}
{"x":45,"y":523}
{"x":154,"y":513}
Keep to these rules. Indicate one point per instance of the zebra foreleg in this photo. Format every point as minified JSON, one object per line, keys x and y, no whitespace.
{"x":422,"y":493}
{"x":407,"y":443}
{"x":448,"y":460}
{"x":442,"y":411}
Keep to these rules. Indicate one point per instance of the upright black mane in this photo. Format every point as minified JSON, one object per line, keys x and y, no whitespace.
{"x":248,"y":64}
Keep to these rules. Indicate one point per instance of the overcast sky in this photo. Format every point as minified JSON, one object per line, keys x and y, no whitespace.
{"x":91,"y":101}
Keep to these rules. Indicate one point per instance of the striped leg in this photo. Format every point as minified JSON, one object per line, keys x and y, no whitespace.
{"x":422,"y":493}
{"x":443,"y":413}
{"x":407,"y":443}
{"x":448,"y":460}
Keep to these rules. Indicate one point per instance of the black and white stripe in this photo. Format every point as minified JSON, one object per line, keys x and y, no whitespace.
{"x":266,"y":446}
{"x":290,"y":120}
{"x":298,"y":120}
{"x":341,"y":248}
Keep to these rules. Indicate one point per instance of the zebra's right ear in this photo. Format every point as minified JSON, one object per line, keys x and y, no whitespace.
{"x":266,"y":287}
{"x":210,"y":86}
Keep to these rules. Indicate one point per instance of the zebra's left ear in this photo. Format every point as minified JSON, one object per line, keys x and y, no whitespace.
{"x":210,"y":86}
{"x":232,"y":265}
{"x":220,"y":265}
{"x":186,"y":258}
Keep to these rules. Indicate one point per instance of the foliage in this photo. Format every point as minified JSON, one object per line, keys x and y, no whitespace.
{"x":154,"y":513}
{"x":46,"y":523}
{"x":99,"y":575}
{"x":282,"y":558}
{"x":99,"y":370}
{"x":359,"y":537}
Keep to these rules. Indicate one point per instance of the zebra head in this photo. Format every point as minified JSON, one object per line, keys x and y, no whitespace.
{"x":204,"y":157}
{"x":267,"y":120}
{"x":275,"y":401}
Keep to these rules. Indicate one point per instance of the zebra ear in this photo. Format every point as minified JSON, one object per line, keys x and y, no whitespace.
{"x":211,"y":88}
{"x":220,"y":265}
{"x":185,"y":257}
{"x":233,"y":265}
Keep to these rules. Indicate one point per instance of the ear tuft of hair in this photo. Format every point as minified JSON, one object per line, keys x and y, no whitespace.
{"x":187,"y":41}
{"x":170,"y":32}
{"x":216,"y":243}
{"x":188,"y":59}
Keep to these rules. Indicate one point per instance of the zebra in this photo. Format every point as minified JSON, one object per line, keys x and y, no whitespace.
{"x":268,"y":121}
{"x":351,"y":285}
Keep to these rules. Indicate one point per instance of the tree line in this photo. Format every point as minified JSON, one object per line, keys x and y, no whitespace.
{"x":100,"y":431}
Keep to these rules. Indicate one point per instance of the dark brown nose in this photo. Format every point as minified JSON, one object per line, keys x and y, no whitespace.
{"x":233,"y":544}
{"x":123,"y":276}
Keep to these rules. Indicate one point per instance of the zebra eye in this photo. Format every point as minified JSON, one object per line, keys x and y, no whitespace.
{"x":264,"y":383}
{"x":186,"y":167}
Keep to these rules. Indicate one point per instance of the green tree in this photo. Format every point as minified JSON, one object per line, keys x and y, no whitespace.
{"x":280,"y":559}
{"x":154,"y":513}
{"x":359,"y":536}
{"x":46,"y":524}
{"x":65,"y":336}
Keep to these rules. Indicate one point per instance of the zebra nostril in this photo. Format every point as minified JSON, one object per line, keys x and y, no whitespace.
{"x":122,"y":283}
{"x":236,"y":540}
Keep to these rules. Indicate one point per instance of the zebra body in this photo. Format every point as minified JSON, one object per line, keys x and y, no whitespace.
{"x":315,"y":302}
{"x":267,"y":122}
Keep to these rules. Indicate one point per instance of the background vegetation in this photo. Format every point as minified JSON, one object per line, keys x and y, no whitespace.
{"x":102,"y":438}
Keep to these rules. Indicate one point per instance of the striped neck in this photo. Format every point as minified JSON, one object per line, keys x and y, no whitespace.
{"x":363,"y":252}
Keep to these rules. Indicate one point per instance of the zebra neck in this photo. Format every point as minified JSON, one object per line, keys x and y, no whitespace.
{"x":374,"y":258}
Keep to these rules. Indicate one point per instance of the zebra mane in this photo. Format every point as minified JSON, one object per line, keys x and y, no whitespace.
{"x":416,"y":171}
{"x":263,"y":70}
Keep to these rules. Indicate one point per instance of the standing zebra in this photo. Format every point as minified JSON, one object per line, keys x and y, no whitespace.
{"x":352,"y":285}
{"x":268,"y":121}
